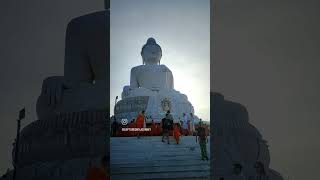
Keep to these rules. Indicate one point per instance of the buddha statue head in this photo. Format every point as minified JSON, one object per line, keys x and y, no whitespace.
{"x":151,"y":52}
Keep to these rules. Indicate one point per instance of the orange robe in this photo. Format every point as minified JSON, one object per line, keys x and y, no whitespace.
{"x":95,"y":173}
{"x":176,"y":134}
{"x":140,"y":121}
{"x":157,"y":130}
{"x":153,"y":129}
{"x":118,"y":133}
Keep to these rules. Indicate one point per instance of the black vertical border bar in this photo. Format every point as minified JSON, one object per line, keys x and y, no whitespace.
{"x":211,"y":87}
{"x":107,"y":8}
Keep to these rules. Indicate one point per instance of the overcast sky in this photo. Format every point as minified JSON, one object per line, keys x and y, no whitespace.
{"x":180,"y":27}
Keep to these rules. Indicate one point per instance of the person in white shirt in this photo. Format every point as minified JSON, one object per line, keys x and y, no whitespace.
{"x":185,"y":124}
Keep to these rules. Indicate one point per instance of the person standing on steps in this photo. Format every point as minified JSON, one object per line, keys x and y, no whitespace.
{"x":153,"y":128}
{"x":202,"y":137}
{"x":140,"y":122}
{"x":100,"y":172}
{"x":165,"y":129}
{"x":167,"y":123}
{"x":176,"y":133}
{"x":185,"y":124}
{"x":170,"y":118}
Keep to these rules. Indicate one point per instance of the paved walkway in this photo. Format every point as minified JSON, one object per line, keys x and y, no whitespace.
{"x":149,"y":158}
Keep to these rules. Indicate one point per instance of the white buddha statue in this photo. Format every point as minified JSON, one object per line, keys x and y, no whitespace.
{"x":153,"y":81}
{"x":151,"y":76}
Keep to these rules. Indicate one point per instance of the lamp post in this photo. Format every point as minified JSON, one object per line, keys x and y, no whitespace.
{"x":115,"y":102}
{"x":22,"y":114}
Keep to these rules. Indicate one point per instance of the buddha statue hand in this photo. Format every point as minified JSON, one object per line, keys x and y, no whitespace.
{"x":126,"y":91}
{"x":52,"y":90}
{"x":50,"y":97}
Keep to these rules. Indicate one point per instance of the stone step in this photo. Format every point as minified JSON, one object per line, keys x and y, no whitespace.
{"x":185,"y":152}
{"x":163,"y":175}
{"x":160,"y":169}
{"x":156,"y":148}
{"x":160,"y":163}
{"x":154,"y":159}
{"x":149,"y":158}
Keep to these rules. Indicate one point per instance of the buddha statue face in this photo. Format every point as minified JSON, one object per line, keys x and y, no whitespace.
{"x":151,"y":52}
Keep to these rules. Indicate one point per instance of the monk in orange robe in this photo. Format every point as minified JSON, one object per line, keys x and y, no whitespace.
{"x":157,"y":130}
{"x":176,"y":133}
{"x":140,"y":122}
{"x":98,"y":173}
{"x":121,"y":133}
{"x":153,"y":129}
{"x":118,"y":133}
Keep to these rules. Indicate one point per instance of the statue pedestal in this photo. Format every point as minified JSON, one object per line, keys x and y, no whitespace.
{"x":63,"y":146}
{"x":155,"y":104}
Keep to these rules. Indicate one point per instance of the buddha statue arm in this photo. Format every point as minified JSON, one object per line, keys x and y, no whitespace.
{"x":51,"y":94}
{"x":169,"y":77}
{"x":171,"y":83}
{"x":133,"y":78}
{"x":52,"y":89}
{"x":77,"y":68}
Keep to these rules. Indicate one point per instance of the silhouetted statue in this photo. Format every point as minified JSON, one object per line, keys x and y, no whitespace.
{"x":84,"y":84}
{"x":236,"y":141}
{"x":71,"y":130}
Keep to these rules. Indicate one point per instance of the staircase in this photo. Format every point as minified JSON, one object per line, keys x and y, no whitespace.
{"x":149,"y":158}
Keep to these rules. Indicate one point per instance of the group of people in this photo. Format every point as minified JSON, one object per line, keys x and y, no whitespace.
{"x":166,"y":128}
{"x":200,"y":132}
{"x":139,"y":122}
{"x":186,"y":126}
